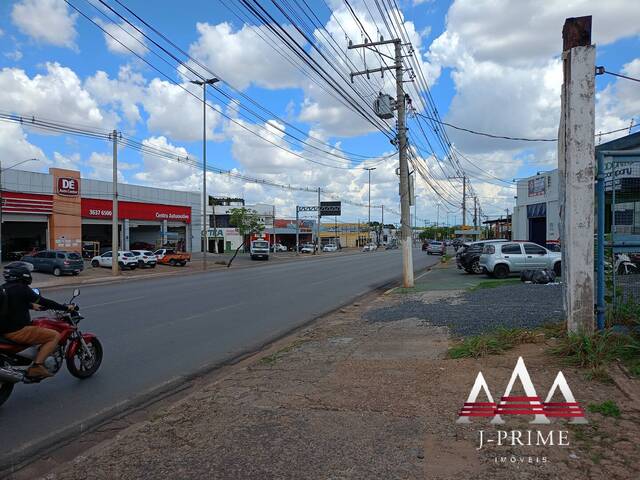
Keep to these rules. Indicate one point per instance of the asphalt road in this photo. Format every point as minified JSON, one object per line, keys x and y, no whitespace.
{"x":156,"y":331}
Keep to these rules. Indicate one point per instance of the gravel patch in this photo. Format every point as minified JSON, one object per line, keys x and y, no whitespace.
{"x":483,"y":310}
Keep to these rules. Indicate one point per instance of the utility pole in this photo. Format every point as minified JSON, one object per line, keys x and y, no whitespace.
{"x":475,"y":216}
{"x":415,"y":218}
{"x":369,"y":224}
{"x":381,"y":222}
{"x":319,"y":216}
{"x":405,"y":206}
{"x":297,"y":231}
{"x":576,"y":166}
{"x":114,"y":209}
{"x":205,"y":203}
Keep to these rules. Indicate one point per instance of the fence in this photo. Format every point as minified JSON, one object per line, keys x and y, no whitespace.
{"x":618,"y":238}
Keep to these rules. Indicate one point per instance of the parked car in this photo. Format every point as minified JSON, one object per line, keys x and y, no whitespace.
{"x":259,"y":249}
{"x":330,"y":247}
{"x":278,"y":247}
{"x":425,"y":245}
{"x":436,"y":248}
{"x":126,"y":259}
{"x":468,"y":255}
{"x":308,"y":248}
{"x":57,"y":262}
{"x":168,"y":256}
{"x":370,"y":247}
{"x":391,"y":246}
{"x":146,"y":258}
{"x":502,"y":258}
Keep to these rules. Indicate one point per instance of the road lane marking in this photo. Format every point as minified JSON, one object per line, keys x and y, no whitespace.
{"x":113,"y":301}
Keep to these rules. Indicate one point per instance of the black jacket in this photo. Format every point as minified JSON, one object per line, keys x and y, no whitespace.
{"x":19,"y":298}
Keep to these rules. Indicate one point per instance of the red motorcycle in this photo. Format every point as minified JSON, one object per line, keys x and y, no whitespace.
{"x":81,"y":351}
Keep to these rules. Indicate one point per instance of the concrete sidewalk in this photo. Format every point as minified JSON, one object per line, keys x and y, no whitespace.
{"x":359,"y":396}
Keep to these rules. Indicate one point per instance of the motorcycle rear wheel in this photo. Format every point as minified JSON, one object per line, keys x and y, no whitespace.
{"x":5,"y":391}
{"x":78,"y":368}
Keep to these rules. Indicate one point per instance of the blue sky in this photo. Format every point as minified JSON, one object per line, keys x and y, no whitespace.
{"x":467,"y":58}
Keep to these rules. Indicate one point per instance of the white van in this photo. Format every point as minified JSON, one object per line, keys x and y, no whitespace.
{"x":259,"y":249}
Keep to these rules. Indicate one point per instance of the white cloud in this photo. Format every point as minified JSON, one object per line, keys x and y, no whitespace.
{"x":15,"y":147}
{"x":618,"y":103}
{"x":242,"y":57}
{"x":46,"y":21}
{"x":70,"y":162}
{"x":58,"y":94}
{"x":122,"y":38}
{"x":101,"y":165}
{"x":177,"y":114}
{"x":126,"y":92}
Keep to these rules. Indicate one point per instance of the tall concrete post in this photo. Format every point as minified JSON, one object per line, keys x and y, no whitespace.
{"x":114,"y":210}
{"x":576,"y":165}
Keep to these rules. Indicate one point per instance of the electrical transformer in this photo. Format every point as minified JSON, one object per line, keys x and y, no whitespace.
{"x":383,"y":106}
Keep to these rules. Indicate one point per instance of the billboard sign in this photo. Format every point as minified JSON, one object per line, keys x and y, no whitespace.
{"x":330,"y":209}
{"x":537,"y":186}
{"x":68,"y":186}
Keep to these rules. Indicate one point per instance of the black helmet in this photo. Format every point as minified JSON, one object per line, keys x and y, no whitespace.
{"x":17,"y":273}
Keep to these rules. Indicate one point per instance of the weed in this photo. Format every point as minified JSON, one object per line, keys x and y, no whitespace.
{"x":592,"y":351}
{"x":494,"y":343}
{"x":608,"y":408}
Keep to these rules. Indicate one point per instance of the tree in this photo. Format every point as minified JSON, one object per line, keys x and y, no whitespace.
{"x":247,"y":221}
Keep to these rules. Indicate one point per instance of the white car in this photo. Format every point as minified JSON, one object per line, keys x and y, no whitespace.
{"x":308,"y":248}
{"x":330,"y":247}
{"x":125,"y":260}
{"x":145,"y":258}
{"x":278,"y":247}
{"x":370,"y":247}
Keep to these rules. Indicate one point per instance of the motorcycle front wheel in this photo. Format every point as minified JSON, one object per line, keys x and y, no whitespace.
{"x":5,"y":391}
{"x":80,"y":365}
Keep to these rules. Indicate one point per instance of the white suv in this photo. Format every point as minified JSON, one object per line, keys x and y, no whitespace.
{"x":125,"y":260}
{"x":145,"y":258}
{"x":501,"y":259}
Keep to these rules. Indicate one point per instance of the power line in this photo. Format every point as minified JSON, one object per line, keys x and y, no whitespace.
{"x":220,"y":112}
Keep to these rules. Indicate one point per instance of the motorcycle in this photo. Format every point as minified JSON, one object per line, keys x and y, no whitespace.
{"x":624,"y":265}
{"x":82,"y":352}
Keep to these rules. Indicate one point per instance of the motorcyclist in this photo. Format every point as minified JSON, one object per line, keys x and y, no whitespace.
{"x":16,"y":325}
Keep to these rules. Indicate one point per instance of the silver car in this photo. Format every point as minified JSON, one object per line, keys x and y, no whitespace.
{"x":501,"y":259}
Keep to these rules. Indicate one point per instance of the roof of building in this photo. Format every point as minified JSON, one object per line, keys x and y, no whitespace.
{"x":627,"y":142}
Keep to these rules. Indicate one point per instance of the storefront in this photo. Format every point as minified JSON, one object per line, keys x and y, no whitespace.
{"x":60,"y":210}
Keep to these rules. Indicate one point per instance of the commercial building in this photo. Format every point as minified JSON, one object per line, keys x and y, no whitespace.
{"x":536,"y":216}
{"x":350,"y":235}
{"x":61,"y":210}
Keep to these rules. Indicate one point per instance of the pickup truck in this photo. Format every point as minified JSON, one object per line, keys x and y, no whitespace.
{"x":168,"y":256}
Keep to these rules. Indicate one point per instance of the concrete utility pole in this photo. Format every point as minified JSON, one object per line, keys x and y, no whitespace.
{"x":297,"y":231}
{"x":369,"y":225}
{"x":114,"y":209}
{"x":576,"y":165}
{"x":405,"y":206}
{"x":475,"y":216}
{"x":319,"y":217}
{"x":205,"y":203}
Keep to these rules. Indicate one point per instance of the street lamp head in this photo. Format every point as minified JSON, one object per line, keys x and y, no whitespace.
{"x":209,"y":81}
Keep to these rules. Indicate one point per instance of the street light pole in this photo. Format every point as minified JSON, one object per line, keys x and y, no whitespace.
{"x":369,"y":224}
{"x":1,"y":200}
{"x":205,"y":203}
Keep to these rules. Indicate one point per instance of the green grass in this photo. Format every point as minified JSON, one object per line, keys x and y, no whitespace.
{"x":494,"y":343}
{"x":608,"y":408}
{"x":494,"y":284}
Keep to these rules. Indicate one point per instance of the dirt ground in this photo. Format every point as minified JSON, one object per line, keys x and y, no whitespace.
{"x":352,"y":399}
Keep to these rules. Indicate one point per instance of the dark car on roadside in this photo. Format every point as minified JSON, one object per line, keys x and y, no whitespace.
{"x":57,"y":262}
{"x":468,"y":256}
